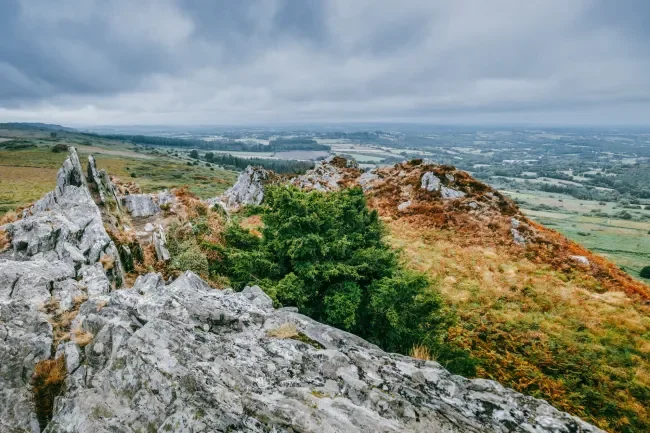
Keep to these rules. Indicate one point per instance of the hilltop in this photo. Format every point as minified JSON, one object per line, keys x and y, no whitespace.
{"x":87,"y":353}
{"x":532,"y":310}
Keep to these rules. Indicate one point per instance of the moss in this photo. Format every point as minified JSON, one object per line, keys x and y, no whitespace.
{"x":303,"y":338}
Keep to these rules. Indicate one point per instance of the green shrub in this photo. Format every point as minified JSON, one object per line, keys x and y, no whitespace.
{"x":324,"y":253}
{"x":58,"y":148}
{"x":645,"y":272}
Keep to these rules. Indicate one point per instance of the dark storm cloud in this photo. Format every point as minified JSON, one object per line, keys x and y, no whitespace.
{"x":215,"y":62}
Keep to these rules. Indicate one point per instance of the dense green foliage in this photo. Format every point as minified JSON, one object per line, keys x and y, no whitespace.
{"x":278,"y":145}
{"x":324,"y":253}
{"x":645,"y":272}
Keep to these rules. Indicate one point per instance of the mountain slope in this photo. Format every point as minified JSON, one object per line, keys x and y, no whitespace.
{"x":538,"y":312}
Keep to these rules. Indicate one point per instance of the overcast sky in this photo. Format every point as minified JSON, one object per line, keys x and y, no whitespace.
{"x":84,"y":62}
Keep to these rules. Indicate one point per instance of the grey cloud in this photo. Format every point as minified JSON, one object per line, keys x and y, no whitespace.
{"x":265,"y":61}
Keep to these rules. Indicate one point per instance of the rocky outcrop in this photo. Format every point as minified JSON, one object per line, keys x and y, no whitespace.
{"x":52,"y":262}
{"x":140,"y":205}
{"x":160,"y":244}
{"x":185,"y":357}
{"x":64,"y":225}
{"x":323,"y":177}
{"x":248,"y":190}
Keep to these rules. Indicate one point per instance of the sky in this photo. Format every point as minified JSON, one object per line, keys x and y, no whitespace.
{"x":263,"y":62}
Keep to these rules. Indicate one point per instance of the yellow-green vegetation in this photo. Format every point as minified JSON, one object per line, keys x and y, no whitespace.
{"x":30,"y":172}
{"x":553,"y":335}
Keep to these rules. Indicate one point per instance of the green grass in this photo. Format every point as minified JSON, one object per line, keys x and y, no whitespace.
{"x":624,"y":242}
{"x":30,"y":173}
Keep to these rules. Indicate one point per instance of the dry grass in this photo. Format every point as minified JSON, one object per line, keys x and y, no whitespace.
{"x":48,"y":382}
{"x":421,"y":352}
{"x":5,"y":242}
{"x":286,"y":330}
{"x":81,"y":337}
{"x":565,"y":336}
{"x":107,"y":261}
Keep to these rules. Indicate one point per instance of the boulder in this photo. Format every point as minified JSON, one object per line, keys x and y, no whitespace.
{"x":323,"y":177}
{"x":430,"y":182}
{"x":248,"y":190}
{"x":367,"y":179}
{"x":160,"y":244}
{"x":450,"y":193}
{"x":140,"y":205}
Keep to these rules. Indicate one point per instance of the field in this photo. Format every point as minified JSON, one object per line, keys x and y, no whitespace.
{"x":27,"y":174}
{"x":625,"y":242}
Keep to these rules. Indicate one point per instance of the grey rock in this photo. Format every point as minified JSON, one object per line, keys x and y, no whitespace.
{"x":403,"y":206}
{"x":93,"y":176}
{"x":450,"y":177}
{"x":518,"y":237}
{"x":514,"y":223}
{"x":367,"y":179}
{"x":430,"y":182}
{"x":140,"y":205}
{"x":186,"y":357}
{"x":248,"y":190}
{"x":55,"y":247}
{"x":323,"y":177}
{"x":450,"y":193}
{"x":160,"y":244}
{"x":581,"y":260}
{"x":148,"y":227}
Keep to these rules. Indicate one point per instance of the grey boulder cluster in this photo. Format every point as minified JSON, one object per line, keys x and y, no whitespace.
{"x":182,"y":356}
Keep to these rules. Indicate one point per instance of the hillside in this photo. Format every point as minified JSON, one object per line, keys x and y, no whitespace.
{"x":82,"y":351}
{"x":523,"y":305}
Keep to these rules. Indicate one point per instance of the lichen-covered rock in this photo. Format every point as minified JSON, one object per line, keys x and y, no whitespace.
{"x":53,"y":262}
{"x":160,"y":244}
{"x":186,"y":357}
{"x":140,"y":205}
{"x":366,"y":180}
{"x":64,"y":225}
{"x":248,"y":190}
{"x":450,"y":193}
{"x":430,"y":182}
{"x":323,"y":177}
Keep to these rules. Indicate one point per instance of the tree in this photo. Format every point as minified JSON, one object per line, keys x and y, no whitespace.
{"x":209,"y":156}
{"x":194,"y":154}
{"x":645,"y":272}
{"x":324,"y":253}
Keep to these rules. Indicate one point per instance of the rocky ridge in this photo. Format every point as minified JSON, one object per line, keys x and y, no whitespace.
{"x":184,"y":357}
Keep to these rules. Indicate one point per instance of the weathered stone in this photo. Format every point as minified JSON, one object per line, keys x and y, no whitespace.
{"x":140,"y":205}
{"x":249,"y":189}
{"x":450,"y":193}
{"x":403,"y":206}
{"x":160,"y":244}
{"x":430,"y":182}
{"x":517,"y":237}
{"x":582,"y":260}
{"x":199,"y":359}
{"x":366,"y":180}
{"x":323,"y":177}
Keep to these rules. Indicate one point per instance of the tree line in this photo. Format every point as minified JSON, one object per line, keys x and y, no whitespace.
{"x":277,"y":145}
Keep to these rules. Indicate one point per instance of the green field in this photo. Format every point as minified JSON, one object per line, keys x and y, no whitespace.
{"x":27,"y":174}
{"x":625,"y":242}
